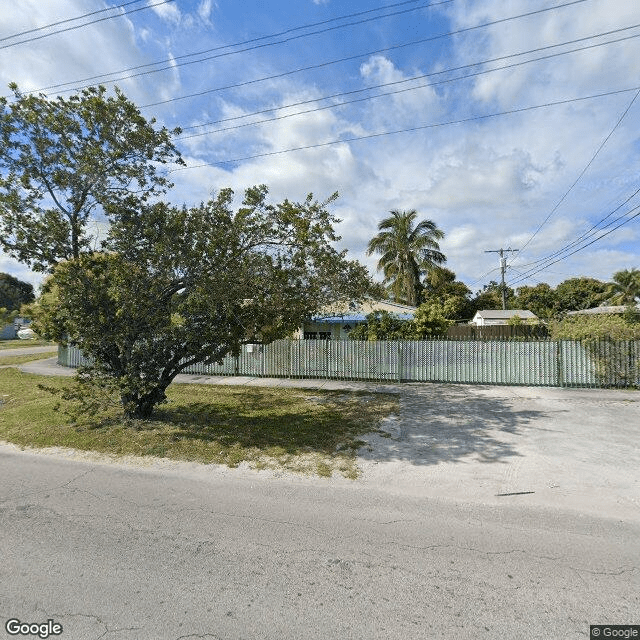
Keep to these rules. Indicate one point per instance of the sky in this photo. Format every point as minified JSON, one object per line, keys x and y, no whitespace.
{"x":512,"y":124}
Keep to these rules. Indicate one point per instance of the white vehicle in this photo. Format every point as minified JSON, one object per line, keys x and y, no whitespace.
{"x":26,"y":334}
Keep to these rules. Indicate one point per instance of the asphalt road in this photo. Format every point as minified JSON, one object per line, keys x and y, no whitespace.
{"x":180,"y":551}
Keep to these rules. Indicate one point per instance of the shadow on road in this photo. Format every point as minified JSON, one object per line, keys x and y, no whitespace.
{"x":448,"y":423}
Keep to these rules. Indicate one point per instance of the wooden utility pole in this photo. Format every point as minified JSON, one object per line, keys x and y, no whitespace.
{"x":503,"y":268}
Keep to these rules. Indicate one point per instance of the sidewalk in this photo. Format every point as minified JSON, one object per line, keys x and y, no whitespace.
{"x":547,"y":447}
{"x":50,"y":367}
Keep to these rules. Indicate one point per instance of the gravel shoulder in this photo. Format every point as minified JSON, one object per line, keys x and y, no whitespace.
{"x":568,"y":449}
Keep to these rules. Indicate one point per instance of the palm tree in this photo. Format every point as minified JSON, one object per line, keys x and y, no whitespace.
{"x":625,"y":288}
{"x":407,"y":252}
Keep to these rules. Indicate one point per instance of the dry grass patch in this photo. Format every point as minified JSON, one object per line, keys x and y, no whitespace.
{"x":24,"y":344}
{"x":14,"y":360}
{"x":312,"y":432}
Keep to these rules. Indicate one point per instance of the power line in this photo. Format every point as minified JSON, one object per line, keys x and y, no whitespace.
{"x":408,"y":130}
{"x":85,"y":24}
{"x":396,"y":92}
{"x":503,"y":268}
{"x":237,"y":44}
{"x":637,"y":208}
{"x":587,"y":234}
{"x":171,"y":64}
{"x":56,"y":24}
{"x":593,"y":157}
{"x":378,"y":51}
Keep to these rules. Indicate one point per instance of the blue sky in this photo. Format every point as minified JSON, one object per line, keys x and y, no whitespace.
{"x":535,"y":178}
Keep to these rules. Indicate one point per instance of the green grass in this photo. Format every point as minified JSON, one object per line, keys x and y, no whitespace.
{"x":311,"y":432}
{"x":23,"y":344}
{"x":13,"y":360}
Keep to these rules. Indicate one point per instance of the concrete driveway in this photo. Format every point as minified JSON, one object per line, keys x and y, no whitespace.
{"x":576,"y":449}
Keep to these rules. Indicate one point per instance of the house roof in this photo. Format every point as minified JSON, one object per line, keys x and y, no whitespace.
{"x":501,"y":314}
{"x":357,"y":312}
{"x":600,"y":310}
{"x":354,"y":317}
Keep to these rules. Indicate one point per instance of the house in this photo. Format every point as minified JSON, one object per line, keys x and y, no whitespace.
{"x":336,"y":322}
{"x":10,"y":330}
{"x":488,"y":317}
{"x":612,"y":310}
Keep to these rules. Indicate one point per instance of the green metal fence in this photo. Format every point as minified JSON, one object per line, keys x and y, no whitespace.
{"x":555,"y":363}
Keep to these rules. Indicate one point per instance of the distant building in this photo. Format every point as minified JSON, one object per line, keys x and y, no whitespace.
{"x":337,"y":322}
{"x":488,"y":317}
{"x":10,"y":331}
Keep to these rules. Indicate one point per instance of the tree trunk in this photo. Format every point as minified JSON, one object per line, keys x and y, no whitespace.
{"x":140,"y":407}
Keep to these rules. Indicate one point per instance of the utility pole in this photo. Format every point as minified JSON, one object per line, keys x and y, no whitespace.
{"x":503,"y":268}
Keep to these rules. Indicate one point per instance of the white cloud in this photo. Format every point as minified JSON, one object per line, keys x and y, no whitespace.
{"x":414,"y":102}
{"x":487,"y":183}
{"x":170,"y":12}
{"x":204,"y":10}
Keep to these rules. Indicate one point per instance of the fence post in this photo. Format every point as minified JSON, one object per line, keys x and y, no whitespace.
{"x":399,"y":360}
{"x":560,"y":382}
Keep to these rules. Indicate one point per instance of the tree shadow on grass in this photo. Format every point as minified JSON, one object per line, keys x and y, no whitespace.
{"x":292,"y":423}
{"x":451,"y":423}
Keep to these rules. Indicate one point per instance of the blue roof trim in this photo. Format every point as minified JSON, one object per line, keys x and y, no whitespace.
{"x":353,"y":317}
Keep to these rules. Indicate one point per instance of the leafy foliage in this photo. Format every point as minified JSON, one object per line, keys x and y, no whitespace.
{"x":428,"y":322}
{"x":382,"y":325}
{"x":68,"y":161}
{"x":407,"y":252}
{"x":14,"y":293}
{"x":452,"y":296}
{"x":539,"y":299}
{"x":609,"y":339}
{"x":625,"y":288}
{"x":575,"y":294}
{"x":7,"y":316}
{"x":490,"y":297}
{"x":180,"y":286}
{"x":595,"y":327}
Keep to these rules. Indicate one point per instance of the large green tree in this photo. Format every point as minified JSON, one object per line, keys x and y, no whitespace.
{"x":490,"y":297}
{"x":67,"y":162}
{"x":580,"y":293}
{"x":540,"y":299}
{"x":407,"y":251}
{"x":452,"y":297}
{"x":625,"y":288}
{"x":180,"y":286}
{"x":14,"y":293}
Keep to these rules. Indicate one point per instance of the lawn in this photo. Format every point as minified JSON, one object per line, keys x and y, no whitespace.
{"x":24,"y":344}
{"x":6,"y":359}
{"x":311,"y":432}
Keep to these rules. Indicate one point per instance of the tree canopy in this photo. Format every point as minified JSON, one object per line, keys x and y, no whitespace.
{"x":490,"y":297}
{"x":625,"y":288}
{"x":407,"y":251}
{"x":576,"y":294}
{"x":180,"y":286}
{"x":540,"y":299}
{"x":14,"y":293}
{"x":65,"y":162}
{"x":450,"y":296}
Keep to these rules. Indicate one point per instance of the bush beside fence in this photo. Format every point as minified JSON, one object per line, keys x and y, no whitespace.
{"x":556,"y":363}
